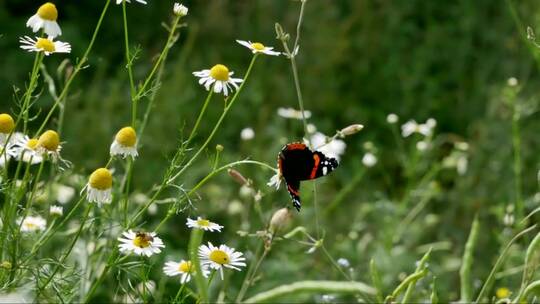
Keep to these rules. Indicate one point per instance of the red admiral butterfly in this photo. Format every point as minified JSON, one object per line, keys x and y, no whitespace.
{"x":296,"y":162}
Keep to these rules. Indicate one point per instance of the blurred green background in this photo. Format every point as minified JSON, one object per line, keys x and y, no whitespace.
{"x":358,"y":61}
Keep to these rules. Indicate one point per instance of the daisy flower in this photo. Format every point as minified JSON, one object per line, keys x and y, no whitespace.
{"x":335,"y":148}
{"x":219,"y":257}
{"x":26,"y":149}
{"x":369,"y":160}
{"x":32,"y":224}
{"x":180,"y":10}
{"x":184,"y":269}
{"x":125,"y":143}
{"x":99,"y":187}
{"x":49,"y":143}
{"x":5,"y":154}
{"x":7,"y":125}
{"x":45,"y":19}
{"x":247,"y":134}
{"x":220,"y":77}
{"x":56,"y":210}
{"x":128,"y":1}
{"x":392,"y":118}
{"x":257,"y":47}
{"x":203,"y":224}
{"x":292,"y":113}
{"x":46,"y":45}
{"x":140,"y":243}
{"x":275,"y":180}
{"x":411,"y":126}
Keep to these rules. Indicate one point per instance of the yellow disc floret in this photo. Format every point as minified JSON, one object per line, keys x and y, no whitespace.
{"x":185,"y":266}
{"x":257,"y":46}
{"x":502,"y":293}
{"x":126,"y":137}
{"x":219,"y":256}
{"x":219,"y":72}
{"x":49,"y":140}
{"x":6,"y":123}
{"x":48,"y":11}
{"x":32,"y":143}
{"x":203,"y":222}
{"x":45,"y":45}
{"x":101,"y":179}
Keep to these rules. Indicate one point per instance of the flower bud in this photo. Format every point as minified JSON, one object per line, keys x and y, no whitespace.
{"x":219,"y":148}
{"x":237,"y":176}
{"x":280,"y":219}
{"x":180,"y":10}
{"x":352,"y":129}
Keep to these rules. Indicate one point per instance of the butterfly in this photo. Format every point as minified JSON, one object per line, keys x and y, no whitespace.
{"x":296,"y":162}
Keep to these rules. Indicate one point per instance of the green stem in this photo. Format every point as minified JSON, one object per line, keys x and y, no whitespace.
{"x":81,"y":65}
{"x":128,"y":66}
{"x":467,"y":262}
{"x":194,"y":243}
{"x":31,"y":86}
{"x":201,"y":114}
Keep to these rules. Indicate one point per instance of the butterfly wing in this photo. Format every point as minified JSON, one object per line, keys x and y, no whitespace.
{"x":323,"y":165}
{"x":294,"y":190}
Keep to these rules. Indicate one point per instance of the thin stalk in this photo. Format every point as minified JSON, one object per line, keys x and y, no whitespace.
{"x":128,"y":66}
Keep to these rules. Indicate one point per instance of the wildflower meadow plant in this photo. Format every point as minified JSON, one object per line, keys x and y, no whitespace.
{"x":76,"y":191}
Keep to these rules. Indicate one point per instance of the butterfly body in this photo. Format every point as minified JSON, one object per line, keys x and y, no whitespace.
{"x":296,"y":162}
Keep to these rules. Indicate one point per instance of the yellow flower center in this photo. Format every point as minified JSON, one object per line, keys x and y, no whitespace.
{"x":30,"y":226}
{"x":203,"y":222}
{"x":257,"y":46}
{"x":141,"y":241}
{"x":185,"y":267}
{"x":32,"y":144}
{"x":219,"y":72}
{"x":101,"y":179}
{"x":49,"y":140}
{"x":502,"y":293}
{"x":6,"y":123}
{"x":48,"y":12}
{"x":45,"y":45}
{"x":126,"y":137}
{"x":220,"y":257}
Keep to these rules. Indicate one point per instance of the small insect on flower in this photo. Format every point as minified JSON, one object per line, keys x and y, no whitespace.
{"x":45,"y":45}
{"x":257,"y":47}
{"x":26,"y":149}
{"x":219,"y":78}
{"x":203,"y":224}
{"x":32,"y":224}
{"x":221,"y":257}
{"x":140,"y":243}
{"x":128,"y":1}
{"x":125,"y":143}
{"x":184,"y":269}
{"x":45,"y":18}
{"x":99,"y":187}
{"x":180,"y":10}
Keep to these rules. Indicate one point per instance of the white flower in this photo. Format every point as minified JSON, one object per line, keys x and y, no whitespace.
{"x":392,"y":118}
{"x":311,"y":128}
{"x":56,"y":210}
{"x":292,"y":113}
{"x":257,"y":47}
{"x":247,"y":134}
{"x":334,"y":148}
{"x":462,"y":164}
{"x":46,"y":45}
{"x":180,"y":10}
{"x":431,"y":122}
{"x":275,"y":180}
{"x":128,"y":1}
{"x":220,"y":257}
{"x":369,"y":160}
{"x":5,"y":154}
{"x":203,"y":224}
{"x":343,"y":262}
{"x":32,"y":224}
{"x":64,"y":194}
{"x":412,"y":126}
{"x":125,"y":143}
{"x":99,"y":187}
{"x":45,"y":18}
{"x":422,"y":145}
{"x":184,"y":268}
{"x":140,"y":243}
{"x":26,"y":149}
{"x":220,"y":77}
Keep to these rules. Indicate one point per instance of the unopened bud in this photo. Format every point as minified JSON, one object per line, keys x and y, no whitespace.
{"x":352,"y":129}
{"x":219,"y":148}
{"x":237,"y":176}
{"x":280,"y":219}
